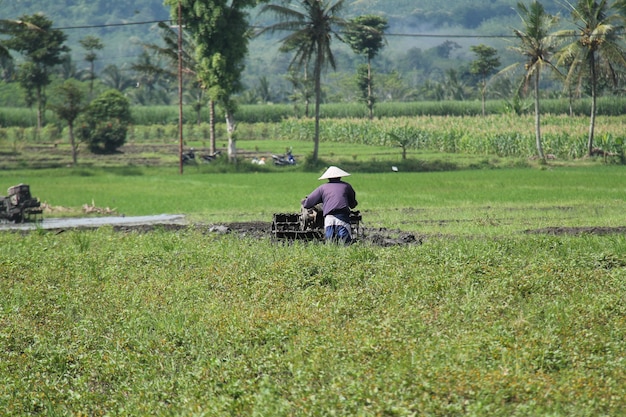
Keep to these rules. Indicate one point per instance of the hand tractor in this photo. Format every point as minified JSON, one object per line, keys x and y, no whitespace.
{"x":19,"y":206}
{"x":308,"y":225}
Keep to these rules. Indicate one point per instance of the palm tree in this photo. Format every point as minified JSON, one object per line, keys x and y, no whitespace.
{"x":115,"y":77}
{"x":595,"y":51}
{"x":536,"y":46}
{"x":454,"y":87}
{"x":312,"y":28}
{"x":302,"y":85}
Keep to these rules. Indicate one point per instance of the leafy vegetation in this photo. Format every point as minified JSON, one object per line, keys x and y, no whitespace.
{"x":41,"y":48}
{"x":104,"y":124}
{"x":410,"y":67}
{"x":360,"y":140}
{"x":494,"y":313}
{"x":68,"y":105}
{"x":481,"y":318}
{"x":219,"y":69}
{"x":310,"y":31}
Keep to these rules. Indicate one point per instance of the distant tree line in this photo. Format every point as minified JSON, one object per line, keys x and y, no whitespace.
{"x":588,"y":60}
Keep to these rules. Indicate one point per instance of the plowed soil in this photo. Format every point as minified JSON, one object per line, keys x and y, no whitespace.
{"x":263,"y":230}
{"x":377,"y":237}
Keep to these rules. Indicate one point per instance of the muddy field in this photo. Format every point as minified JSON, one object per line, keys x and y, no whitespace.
{"x":94,"y":217}
{"x":261,"y":230}
{"x":388,"y":237}
{"x":147,"y":224}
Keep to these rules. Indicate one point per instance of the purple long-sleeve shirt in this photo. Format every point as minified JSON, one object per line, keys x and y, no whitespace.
{"x":336,"y":197}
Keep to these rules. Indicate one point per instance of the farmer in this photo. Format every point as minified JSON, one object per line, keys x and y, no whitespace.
{"x":337,"y":198}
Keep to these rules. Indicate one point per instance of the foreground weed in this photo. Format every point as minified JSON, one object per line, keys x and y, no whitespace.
{"x":181,"y":323}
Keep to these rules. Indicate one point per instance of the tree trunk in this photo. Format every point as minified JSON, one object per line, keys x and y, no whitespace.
{"x":92,"y":76}
{"x":307,"y":102}
{"x":70,"y":128}
{"x":318,"y":99}
{"x":482,"y":95}
{"x":370,"y":105}
{"x":538,"y":118}
{"x":592,"y":119}
{"x":230,"y":127}
{"x":211,"y":127}
{"x":39,"y":109}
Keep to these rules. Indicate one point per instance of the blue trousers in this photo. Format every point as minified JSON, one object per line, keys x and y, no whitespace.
{"x":338,"y":234}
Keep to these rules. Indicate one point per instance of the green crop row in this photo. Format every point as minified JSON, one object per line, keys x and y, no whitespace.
{"x":272,"y":113}
{"x":507,"y":135}
{"x":266,"y":113}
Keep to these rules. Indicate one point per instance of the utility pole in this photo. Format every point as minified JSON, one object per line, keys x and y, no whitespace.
{"x":180,"y":88}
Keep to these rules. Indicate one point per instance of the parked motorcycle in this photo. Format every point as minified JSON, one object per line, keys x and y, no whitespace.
{"x":211,"y":157}
{"x":189,"y":157}
{"x":286,"y":159}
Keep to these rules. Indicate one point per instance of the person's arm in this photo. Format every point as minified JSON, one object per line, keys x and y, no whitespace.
{"x":312,"y":199}
{"x":352,"y":198}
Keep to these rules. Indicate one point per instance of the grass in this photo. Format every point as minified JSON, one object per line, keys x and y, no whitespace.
{"x":187,"y":323}
{"x":139,"y":154}
{"x":481,"y":319}
{"x":462,"y":202}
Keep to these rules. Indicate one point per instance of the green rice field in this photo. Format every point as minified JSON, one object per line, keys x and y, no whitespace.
{"x":509,"y":303}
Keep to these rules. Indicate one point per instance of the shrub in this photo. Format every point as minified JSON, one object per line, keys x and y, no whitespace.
{"x":104,"y":124}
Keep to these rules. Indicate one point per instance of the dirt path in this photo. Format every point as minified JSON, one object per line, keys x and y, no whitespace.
{"x":95,"y":222}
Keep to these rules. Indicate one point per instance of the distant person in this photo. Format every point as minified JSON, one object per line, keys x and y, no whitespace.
{"x":337,"y":198}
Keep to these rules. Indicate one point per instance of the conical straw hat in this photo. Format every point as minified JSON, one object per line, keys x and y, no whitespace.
{"x":333,"y":172}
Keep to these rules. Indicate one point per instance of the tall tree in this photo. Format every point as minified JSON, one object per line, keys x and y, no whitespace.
{"x":537,"y":46}
{"x":366,"y":36}
{"x":68,"y":105}
{"x":596,"y":51}
{"x":312,"y":28}
{"x":8,"y":26}
{"x":221,"y":32}
{"x":484,"y":65}
{"x":42,"y":49}
{"x":91,"y":45}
